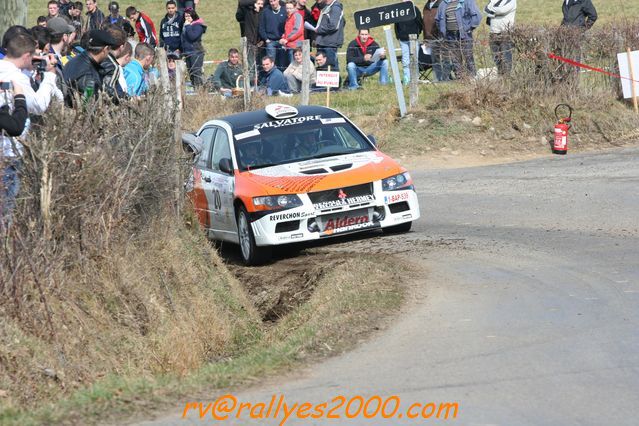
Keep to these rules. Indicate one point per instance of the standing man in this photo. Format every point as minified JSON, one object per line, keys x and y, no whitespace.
{"x":365,"y":57}
{"x":110,"y":68}
{"x":143,"y":26}
{"x":500,"y":16}
{"x":579,"y":13}
{"x":330,"y":31}
{"x":248,"y":12}
{"x":95,"y":17}
{"x":271,"y":27}
{"x":456,"y":20}
{"x":433,"y":38}
{"x":171,"y":28}
{"x":403,"y":30}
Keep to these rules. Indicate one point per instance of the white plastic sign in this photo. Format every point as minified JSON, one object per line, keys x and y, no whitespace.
{"x":327,"y":79}
{"x":624,"y":71}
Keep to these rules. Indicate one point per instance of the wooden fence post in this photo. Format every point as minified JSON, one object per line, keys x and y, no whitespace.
{"x":180,"y":73}
{"x":414,"y":72}
{"x":246,"y":74}
{"x":306,"y":72}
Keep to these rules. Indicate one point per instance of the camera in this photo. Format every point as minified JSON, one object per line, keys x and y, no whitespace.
{"x":6,"y":85}
{"x":39,"y":63}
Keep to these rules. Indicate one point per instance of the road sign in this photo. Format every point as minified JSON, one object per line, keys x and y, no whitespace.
{"x":385,"y":15}
{"x":327,"y":79}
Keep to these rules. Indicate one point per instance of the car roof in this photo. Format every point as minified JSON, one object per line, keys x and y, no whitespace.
{"x":249,"y":119}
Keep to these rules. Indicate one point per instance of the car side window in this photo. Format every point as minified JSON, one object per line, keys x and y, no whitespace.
{"x":207,"y":136}
{"x":221,"y":149}
{"x":347,"y":138}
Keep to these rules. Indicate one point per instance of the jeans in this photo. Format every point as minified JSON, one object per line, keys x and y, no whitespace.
{"x":354,"y":72}
{"x":441,"y":67}
{"x":405,"y":45}
{"x":331,"y":56}
{"x":459,"y":52}
{"x":9,"y":188}
{"x":272,"y":48}
{"x":194,"y":63}
{"x":502,"y":48}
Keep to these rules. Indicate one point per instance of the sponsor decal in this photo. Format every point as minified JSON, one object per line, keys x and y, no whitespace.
{"x":390,"y":199}
{"x":344,"y":202}
{"x":334,"y":120}
{"x":345,"y":222}
{"x":341,"y":194}
{"x":289,"y":216}
{"x":287,"y":122}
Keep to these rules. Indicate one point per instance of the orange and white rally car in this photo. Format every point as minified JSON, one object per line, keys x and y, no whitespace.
{"x":284,"y":174}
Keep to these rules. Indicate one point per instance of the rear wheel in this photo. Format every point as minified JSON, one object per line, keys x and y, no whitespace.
{"x":251,"y":254}
{"x":397,"y":229}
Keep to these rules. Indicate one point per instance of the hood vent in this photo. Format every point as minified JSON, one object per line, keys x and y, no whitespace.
{"x":341,"y":167}
{"x":314,"y":171}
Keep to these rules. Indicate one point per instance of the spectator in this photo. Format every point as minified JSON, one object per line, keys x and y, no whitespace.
{"x":171,"y":28}
{"x":136,"y":72}
{"x":434,"y":40}
{"x":192,"y":48}
{"x":19,"y":48}
{"x":187,"y":4}
{"x":143,"y":25}
{"x":578,"y":13}
{"x":65,"y":6}
{"x":307,"y":16}
{"x":95,"y":17}
{"x":41,"y":21}
{"x":272,"y":81}
{"x":54,"y":9}
{"x":82,"y":72}
{"x":293,"y":29}
{"x":62,"y":35}
{"x":271,"y":27}
{"x":77,"y":20}
{"x":115,"y":18}
{"x":457,"y":19}
{"x":13,"y":119}
{"x":123,"y":58}
{"x":110,"y":68}
{"x":364,"y":57}
{"x":500,"y":16}
{"x":293,"y":73}
{"x":226,"y":74}
{"x":330,"y":31}
{"x":403,"y":30}
{"x":322,"y":64}
{"x":248,"y":12}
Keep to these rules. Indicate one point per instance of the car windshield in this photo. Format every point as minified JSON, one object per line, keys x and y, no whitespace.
{"x":270,"y":146}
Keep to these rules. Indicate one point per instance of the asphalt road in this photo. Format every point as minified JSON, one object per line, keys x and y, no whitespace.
{"x":529,"y":316}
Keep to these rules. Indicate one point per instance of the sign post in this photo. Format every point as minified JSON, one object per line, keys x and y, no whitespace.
{"x":384,"y":16}
{"x":327,"y":79}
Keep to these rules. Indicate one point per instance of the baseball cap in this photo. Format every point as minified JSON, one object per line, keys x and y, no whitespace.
{"x":60,"y":25}
{"x":100,"y":38}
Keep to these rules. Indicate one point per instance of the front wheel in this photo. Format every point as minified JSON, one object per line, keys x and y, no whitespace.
{"x":251,"y":254}
{"x":398,"y":229}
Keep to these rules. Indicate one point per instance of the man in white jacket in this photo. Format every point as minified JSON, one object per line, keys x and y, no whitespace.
{"x":19,"y":53}
{"x":500,"y":16}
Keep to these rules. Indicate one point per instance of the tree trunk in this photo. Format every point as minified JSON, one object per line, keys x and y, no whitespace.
{"x":14,"y":12}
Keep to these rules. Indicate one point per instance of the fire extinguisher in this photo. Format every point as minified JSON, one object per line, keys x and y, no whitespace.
{"x":560,"y":146}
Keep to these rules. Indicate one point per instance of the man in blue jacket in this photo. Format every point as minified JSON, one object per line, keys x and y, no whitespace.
{"x":456,"y":20}
{"x":171,"y":28}
{"x":271,"y":27}
{"x":272,"y":80}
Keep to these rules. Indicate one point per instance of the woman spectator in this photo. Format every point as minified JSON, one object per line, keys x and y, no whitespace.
{"x":456,"y":20}
{"x":293,"y":29}
{"x":293,"y":73}
{"x":192,"y":49}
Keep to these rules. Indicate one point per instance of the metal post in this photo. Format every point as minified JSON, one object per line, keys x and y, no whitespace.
{"x":390,"y":51}
{"x":245,"y":74}
{"x":414,"y":72}
{"x":306,"y":72}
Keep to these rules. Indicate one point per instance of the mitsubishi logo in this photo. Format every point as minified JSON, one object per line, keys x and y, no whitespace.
{"x":341,"y":194}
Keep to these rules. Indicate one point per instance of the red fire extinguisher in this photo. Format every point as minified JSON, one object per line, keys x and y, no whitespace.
{"x":560,"y":146}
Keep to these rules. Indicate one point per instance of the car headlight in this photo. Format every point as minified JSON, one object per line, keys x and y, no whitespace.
{"x":400,"y":181}
{"x":277,"y":202}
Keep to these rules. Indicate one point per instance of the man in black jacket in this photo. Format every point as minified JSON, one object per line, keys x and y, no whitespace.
{"x":248,"y":15}
{"x":365,"y":57}
{"x":110,"y":69}
{"x":578,"y":13}
{"x":402,"y":31}
{"x":82,"y":72}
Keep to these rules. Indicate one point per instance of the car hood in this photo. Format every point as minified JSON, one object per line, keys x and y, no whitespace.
{"x":324,"y":173}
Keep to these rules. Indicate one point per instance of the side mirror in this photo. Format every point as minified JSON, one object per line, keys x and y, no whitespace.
{"x":226,"y":166}
{"x":191,"y":144}
{"x":372,"y":139}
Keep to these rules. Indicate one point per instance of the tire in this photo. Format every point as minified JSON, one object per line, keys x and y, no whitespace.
{"x":251,"y":254}
{"x":398,"y":229}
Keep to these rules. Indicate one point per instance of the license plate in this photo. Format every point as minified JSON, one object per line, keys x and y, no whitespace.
{"x":346,"y":221}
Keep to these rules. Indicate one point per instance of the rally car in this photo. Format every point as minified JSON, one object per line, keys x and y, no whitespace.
{"x":283,"y":174}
